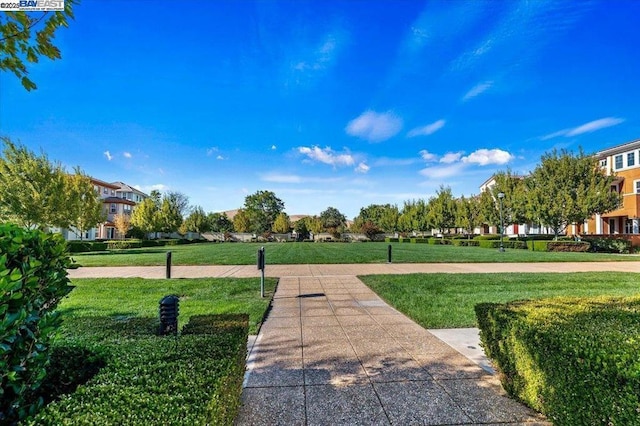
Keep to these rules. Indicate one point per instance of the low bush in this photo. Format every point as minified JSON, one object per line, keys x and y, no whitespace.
{"x":494,"y":244}
{"x":85,"y":246}
{"x":151,"y":243}
{"x":608,"y":245}
{"x":123,"y":244}
{"x":391,"y":240}
{"x":568,"y":246}
{"x":419,"y":240}
{"x":537,"y":245}
{"x":33,"y":279}
{"x":195,"y":378}
{"x":487,"y":237}
{"x":465,"y":243}
{"x":573,"y":359}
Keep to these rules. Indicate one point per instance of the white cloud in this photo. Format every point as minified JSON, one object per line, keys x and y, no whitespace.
{"x":386,"y":161}
{"x":451,"y":157}
{"x":273,"y":147}
{"x":427,"y":130}
{"x":375,"y":127}
{"x":327,"y":156}
{"x":219,"y":157}
{"x":127,"y":154}
{"x":477,"y":90}
{"x":212,"y":151}
{"x":441,"y":172}
{"x":287,"y":178}
{"x":148,"y":188}
{"x":427,"y":156}
{"x":108,"y":155}
{"x":362,"y":168}
{"x":485,"y":157}
{"x":589,"y":127}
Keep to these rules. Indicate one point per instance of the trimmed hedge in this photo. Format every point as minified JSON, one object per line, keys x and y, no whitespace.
{"x":146,"y":379}
{"x":568,"y":246}
{"x":487,"y":237}
{"x":85,"y":246}
{"x":33,"y":279}
{"x":573,"y":359}
{"x":123,"y":244}
{"x":391,"y":240}
{"x":494,"y":244}
{"x":465,"y":243}
{"x":419,"y":240}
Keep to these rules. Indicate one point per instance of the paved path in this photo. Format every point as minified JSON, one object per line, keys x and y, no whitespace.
{"x":332,"y":352}
{"x":246,"y":271}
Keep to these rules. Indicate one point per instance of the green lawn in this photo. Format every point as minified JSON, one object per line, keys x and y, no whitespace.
{"x":317,"y":253}
{"x":137,"y":297}
{"x":447,"y":300}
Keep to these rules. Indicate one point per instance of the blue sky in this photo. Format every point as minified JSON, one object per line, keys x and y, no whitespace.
{"x":328,"y":103}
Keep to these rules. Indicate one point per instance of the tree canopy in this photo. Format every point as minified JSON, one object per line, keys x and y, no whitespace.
{"x":261,"y":209}
{"x":27,"y":36}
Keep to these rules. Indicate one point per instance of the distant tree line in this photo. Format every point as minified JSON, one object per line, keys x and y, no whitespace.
{"x":565,"y":188}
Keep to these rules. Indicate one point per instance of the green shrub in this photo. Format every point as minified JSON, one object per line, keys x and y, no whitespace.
{"x":568,"y":246}
{"x":575,"y":360}
{"x":488,"y":243}
{"x":151,"y":243}
{"x":537,"y":245}
{"x":465,"y":243}
{"x":608,"y":245}
{"x":195,"y":378}
{"x":391,"y":240}
{"x":123,"y":244}
{"x":487,"y":237}
{"x":419,"y":240}
{"x":85,"y":246}
{"x":33,"y":279}
{"x":520,"y":245}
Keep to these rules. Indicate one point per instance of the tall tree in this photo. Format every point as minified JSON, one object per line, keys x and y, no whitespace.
{"x":241,"y":221}
{"x":384,"y":216}
{"x":414,"y":217}
{"x":442,"y":210}
{"x":173,"y":207}
{"x":122,"y":223}
{"x":282,"y":224}
{"x":315,"y":225}
{"x":32,"y":188}
{"x":220,"y":222}
{"x":27,"y":36}
{"x":83,"y":204}
{"x":301,"y":228}
{"x":566,"y":188}
{"x":468,"y":214}
{"x":145,"y":216}
{"x":262,"y":208}
{"x":197,"y":221}
{"x":333,"y":221}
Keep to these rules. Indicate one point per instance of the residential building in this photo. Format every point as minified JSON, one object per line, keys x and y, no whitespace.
{"x":623,"y":161}
{"x":118,"y":198}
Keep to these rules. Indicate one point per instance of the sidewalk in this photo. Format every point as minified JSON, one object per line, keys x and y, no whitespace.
{"x":248,"y":271}
{"x":332,"y":352}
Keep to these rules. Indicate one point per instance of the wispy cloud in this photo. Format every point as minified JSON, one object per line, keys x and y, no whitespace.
{"x":589,"y":127}
{"x":427,"y":130}
{"x":291,"y":178}
{"x":485,"y":157}
{"x":362,"y":168}
{"x":273,"y":147}
{"x":428,"y":156}
{"x":212,"y":150}
{"x":321,"y":56}
{"x":441,"y":172}
{"x":127,"y":154}
{"x":374,"y":126}
{"x":477,"y":90}
{"x":220,"y":157}
{"x":327,"y":156}
{"x":386,"y":161}
{"x":451,"y":157}
{"x":108,"y":155}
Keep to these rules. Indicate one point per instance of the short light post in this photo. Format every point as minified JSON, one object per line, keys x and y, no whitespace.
{"x":500,"y":197}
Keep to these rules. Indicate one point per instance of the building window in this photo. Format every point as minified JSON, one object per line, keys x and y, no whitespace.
{"x":631,"y":159}
{"x":618,"y":160}
{"x":105,"y":190}
{"x":612,"y":226}
{"x":636,"y":185}
{"x":628,"y":226}
{"x":113,"y":208}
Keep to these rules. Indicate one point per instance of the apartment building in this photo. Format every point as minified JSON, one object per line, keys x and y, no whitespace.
{"x":118,"y":198}
{"x":623,"y":161}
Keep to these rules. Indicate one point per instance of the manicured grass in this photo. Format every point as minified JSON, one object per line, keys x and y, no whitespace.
{"x":448,"y":300}
{"x":137,"y":297}
{"x":318,"y":253}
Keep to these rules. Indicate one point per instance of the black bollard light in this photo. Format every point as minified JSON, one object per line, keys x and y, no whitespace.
{"x":389,"y":254}
{"x":169,"y":309}
{"x":168,"y":275}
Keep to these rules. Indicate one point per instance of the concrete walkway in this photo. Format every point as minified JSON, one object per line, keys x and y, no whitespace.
{"x":332,"y":352}
{"x":247,"y":271}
